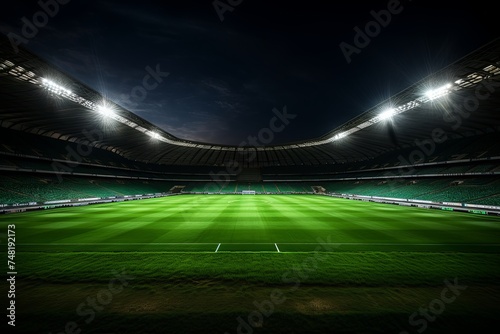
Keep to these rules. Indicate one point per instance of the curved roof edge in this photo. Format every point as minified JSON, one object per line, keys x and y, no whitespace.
{"x":468,"y":71}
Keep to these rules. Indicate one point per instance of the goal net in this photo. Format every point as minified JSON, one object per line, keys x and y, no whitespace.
{"x":248,"y":192}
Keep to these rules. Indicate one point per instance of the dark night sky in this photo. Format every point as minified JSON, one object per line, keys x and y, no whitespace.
{"x":226,"y":77}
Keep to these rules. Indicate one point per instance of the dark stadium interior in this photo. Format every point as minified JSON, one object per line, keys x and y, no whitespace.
{"x":360,"y":225}
{"x":40,"y":130}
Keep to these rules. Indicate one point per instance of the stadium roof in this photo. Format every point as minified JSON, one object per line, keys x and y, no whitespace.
{"x":38,"y":98}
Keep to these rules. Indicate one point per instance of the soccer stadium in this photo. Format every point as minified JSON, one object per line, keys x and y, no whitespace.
{"x":121,"y":227}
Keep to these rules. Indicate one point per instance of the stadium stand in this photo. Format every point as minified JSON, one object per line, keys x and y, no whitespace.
{"x":46,"y":157}
{"x":25,"y":188}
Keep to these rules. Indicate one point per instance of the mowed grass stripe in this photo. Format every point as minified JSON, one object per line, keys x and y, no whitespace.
{"x":258,"y":247}
{"x":297,"y":211}
{"x":256,"y":243}
{"x":336,"y":268}
{"x":225,"y":219}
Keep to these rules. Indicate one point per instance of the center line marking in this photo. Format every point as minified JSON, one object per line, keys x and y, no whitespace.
{"x":217,"y":248}
{"x":277,"y":248}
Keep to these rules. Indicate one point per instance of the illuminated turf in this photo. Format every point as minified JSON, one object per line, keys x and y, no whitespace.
{"x":199,"y":262}
{"x":252,"y":223}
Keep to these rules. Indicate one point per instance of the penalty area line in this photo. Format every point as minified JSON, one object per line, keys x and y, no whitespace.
{"x":217,"y":248}
{"x":277,"y":248}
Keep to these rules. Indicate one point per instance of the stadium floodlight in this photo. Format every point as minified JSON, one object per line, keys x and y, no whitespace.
{"x":105,"y":111}
{"x":154,"y":135}
{"x":438,"y":92}
{"x":339,"y":136}
{"x":386,"y":114}
{"x":52,"y":87}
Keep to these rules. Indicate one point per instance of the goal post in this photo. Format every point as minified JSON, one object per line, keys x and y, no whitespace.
{"x":248,"y":192}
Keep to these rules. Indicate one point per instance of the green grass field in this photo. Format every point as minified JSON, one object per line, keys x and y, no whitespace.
{"x":252,"y":223}
{"x":199,"y":262}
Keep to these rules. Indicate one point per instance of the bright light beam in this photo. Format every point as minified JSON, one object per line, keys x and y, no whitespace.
{"x":339,"y":136}
{"x":438,"y":92}
{"x":51,"y":86}
{"x":154,"y":135}
{"x":105,"y":111}
{"x":386,"y":114}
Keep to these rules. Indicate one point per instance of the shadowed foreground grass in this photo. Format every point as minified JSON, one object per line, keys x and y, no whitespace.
{"x":348,"y":292}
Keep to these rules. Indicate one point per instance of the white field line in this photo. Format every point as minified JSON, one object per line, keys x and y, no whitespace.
{"x":250,"y":243}
{"x":277,"y":247}
{"x":217,"y":248}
